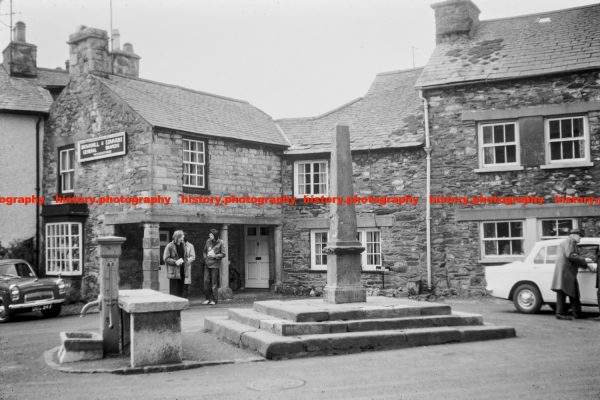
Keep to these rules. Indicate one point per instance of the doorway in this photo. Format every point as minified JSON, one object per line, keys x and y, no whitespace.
{"x":257,"y":256}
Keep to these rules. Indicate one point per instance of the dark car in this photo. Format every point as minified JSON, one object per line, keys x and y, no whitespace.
{"x":22,"y":291}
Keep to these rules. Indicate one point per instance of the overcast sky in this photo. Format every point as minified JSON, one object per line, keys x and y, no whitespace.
{"x":290,"y":58}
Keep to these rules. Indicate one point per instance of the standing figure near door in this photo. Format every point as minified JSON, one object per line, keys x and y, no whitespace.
{"x":176,"y":256}
{"x":213,"y":253}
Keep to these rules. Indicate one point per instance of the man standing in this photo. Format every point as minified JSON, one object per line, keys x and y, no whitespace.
{"x":564,"y":282}
{"x":175,"y":258}
{"x":213,"y":253}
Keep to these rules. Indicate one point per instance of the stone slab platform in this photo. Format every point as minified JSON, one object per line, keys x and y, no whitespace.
{"x":289,"y":329}
{"x":316,"y":310}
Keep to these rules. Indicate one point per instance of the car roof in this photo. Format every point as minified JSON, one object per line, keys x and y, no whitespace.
{"x":11,"y":260}
{"x":584,"y":240}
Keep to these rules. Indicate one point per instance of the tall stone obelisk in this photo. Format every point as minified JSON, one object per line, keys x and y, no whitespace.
{"x":343,"y":249}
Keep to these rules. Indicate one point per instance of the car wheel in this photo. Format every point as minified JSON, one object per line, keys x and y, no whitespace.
{"x":52,"y":312}
{"x":4,"y":312}
{"x":527,"y":299}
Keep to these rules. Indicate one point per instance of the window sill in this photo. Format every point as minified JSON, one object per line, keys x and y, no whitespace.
{"x":190,"y":190}
{"x":583,"y":164}
{"x":500,"y":169}
{"x":501,"y":260}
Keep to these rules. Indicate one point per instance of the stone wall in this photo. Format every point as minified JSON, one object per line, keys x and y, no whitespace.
{"x":455,"y":157}
{"x":378,"y":173}
{"x":84,"y":110}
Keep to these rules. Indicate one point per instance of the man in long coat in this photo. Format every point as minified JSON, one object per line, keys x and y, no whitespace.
{"x":564,"y":282}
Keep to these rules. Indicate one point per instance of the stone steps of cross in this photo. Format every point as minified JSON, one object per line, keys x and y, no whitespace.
{"x":274,"y":346}
{"x":284,"y":327}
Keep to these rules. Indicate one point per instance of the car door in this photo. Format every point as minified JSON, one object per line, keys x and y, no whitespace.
{"x":587,"y":278}
{"x":543,"y":271}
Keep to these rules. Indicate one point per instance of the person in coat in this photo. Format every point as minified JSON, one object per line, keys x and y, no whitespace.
{"x":597,"y":271}
{"x":190,"y":254}
{"x":213,"y":253}
{"x":564,"y":281}
{"x":178,"y":258}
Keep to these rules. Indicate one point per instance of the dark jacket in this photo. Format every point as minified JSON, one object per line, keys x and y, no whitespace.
{"x":567,"y":264}
{"x":219,"y":251}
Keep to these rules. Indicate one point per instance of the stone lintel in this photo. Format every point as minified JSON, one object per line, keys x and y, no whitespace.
{"x":544,"y":110}
{"x":511,"y":212}
{"x":151,"y":217}
{"x":362,"y":221}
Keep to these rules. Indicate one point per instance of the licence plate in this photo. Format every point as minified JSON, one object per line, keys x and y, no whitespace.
{"x":40,"y":308}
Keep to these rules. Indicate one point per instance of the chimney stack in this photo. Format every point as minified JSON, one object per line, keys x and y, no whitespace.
{"x":125,"y":62}
{"x":454,"y":19}
{"x":20,"y":57}
{"x":88,"y":51}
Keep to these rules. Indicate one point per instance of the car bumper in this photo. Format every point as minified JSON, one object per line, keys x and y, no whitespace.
{"x":32,"y":304}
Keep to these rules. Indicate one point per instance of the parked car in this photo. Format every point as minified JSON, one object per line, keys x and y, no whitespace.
{"x":527,"y":283}
{"x":22,"y":291}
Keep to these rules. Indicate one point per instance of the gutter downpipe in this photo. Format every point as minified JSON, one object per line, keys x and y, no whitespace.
{"x":37,"y":194}
{"x":427,"y":188}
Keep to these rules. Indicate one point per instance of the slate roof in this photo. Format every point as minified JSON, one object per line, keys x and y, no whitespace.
{"x":388,"y":116}
{"x":22,"y":94}
{"x":519,"y":47}
{"x":178,"y":108}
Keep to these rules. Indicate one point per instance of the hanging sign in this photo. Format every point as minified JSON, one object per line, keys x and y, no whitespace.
{"x":102,"y":147}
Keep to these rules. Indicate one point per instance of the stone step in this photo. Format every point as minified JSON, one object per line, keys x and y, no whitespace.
{"x":283,"y":327}
{"x":375,"y":308}
{"x":274,"y":346}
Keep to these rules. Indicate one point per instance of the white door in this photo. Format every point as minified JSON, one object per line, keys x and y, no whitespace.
{"x":257,"y":257}
{"x":163,"y":281}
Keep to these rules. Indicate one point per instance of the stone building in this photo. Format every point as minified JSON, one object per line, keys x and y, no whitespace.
{"x":26,"y":93}
{"x":132,"y":137}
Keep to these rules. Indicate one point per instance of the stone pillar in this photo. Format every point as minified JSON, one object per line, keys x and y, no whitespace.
{"x":225,"y":292}
{"x":151,"y":260}
{"x":110,"y":319}
{"x":278,"y":251}
{"x":343,"y":250}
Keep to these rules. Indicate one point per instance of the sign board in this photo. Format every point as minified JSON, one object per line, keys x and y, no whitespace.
{"x":102,"y":147}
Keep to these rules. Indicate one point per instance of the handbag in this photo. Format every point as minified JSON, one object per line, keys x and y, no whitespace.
{"x":173,"y":272}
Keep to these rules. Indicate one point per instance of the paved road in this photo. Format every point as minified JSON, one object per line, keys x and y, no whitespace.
{"x":550,"y":359}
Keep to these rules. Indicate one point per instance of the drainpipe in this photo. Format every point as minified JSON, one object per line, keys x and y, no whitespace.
{"x":36,"y":254}
{"x":427,"y":188}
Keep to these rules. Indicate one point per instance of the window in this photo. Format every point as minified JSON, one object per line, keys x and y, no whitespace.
{"x":310,"y":178}
{"x":555,"y":228}
{"x":63,"y":248}
{"x":567,"y":140}
{"x":318,"y":243}
{"x":546,"y":255}
{"x":370,"y":239}
{"x":194,"y":164}
{"x":502,"y":238}
{"x":499,"y":144}
{"x":66,"y":169}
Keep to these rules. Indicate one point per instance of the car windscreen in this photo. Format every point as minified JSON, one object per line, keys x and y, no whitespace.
{"x":16,"y":270}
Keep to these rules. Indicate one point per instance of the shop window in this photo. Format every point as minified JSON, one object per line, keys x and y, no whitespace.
{"x":194,"y":164}
{"x":370,"y":239}
{"x":63,"y":248}
{"x":310,"y":178}
{"x":502,"y":238}
{"x":556,"y":228}
{"x":567,"y":141}
{"x":499,"y":145}
{"x":66,"y":170}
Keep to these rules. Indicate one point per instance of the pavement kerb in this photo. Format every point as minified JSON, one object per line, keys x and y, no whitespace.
{"x":50,"y":355}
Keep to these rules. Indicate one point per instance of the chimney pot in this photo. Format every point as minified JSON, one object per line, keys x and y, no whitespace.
{"x":128,"y":48}
{"x":116,"y":40}
{"x":19,"y":32}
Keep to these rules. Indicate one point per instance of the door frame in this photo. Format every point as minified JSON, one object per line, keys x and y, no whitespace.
{"x":268,"y":252}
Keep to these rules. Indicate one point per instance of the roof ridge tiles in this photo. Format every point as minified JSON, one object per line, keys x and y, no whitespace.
{"x":544,"y":13}
{"x":324,"y":114}
{"x":399,"y":71}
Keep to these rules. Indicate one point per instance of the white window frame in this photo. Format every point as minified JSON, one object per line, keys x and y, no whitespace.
{"x":64,"y":173}
{"x":541,"y":231}
{"x":483,"y":146}
{"x":573,"y":162}
{"x":60,"y":253}
{"x":297,"y":191}
{"x":483,"y":239}
{"x":362,"y":238}
{"x":197,"y":164}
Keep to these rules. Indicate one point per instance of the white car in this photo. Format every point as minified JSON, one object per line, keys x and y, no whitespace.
{"x":527,"y":283}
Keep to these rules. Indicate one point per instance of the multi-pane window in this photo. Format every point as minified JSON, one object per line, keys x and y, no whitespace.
{"x":499,"y":144}
{"x":555,"y":228}
{"x":310,"y":178}
{"x":66,"y":169}
{"x":63,"y":248}
{"x":502,"y":238}
{"x":194,"y":164}
{"x":318,"y":256}
{"x":546,"y":255}
{"x":567,"y":139}
{"x":370,"y":239}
